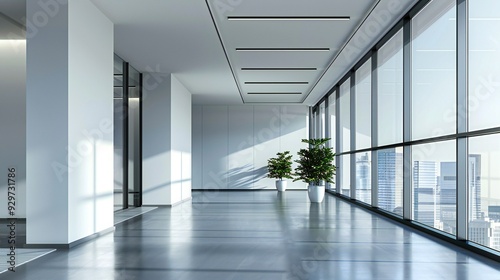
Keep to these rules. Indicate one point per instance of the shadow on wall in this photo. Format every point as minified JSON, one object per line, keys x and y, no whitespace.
{"x":245,"y":177}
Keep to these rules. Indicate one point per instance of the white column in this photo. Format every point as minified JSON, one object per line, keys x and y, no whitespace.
{"x":69,"y":100}
{"x":166,"y":140}
{"x":156,"y":126}
{"x":181,"y":141}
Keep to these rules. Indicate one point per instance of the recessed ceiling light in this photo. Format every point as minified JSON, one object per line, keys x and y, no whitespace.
{"x":280,"y":69}
{"x":276,"y":83}
{"x":288,"y":18}
{"x":282,"y":49}
{"x":268,"y":93}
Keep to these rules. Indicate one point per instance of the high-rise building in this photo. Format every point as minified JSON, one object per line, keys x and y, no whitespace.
{"x":363,"y":178}
{"x":390,"y":180}
{"x":475,"y":186}
{"x":479,"y":232}
{"x":424,"y":192}
{"x":485,"y":231}
{"x":447,"y":189}
{"x":494,"y":212}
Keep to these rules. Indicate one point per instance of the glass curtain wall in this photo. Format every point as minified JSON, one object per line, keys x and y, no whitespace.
{"x":332,"y":119}
{"x":433,"y":99}
{"x":321,"y":129}
{"x":315,"y":129}
{"x":344,"y":138}
{"x":330,"y":116}
{"x":484,"y":100}
{"x":433,"y":70}
{"x":362,"y":110}
{"x":423,"y":106}
{"x":389,"y":125}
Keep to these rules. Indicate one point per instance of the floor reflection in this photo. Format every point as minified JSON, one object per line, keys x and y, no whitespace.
{"x":261,"y":235}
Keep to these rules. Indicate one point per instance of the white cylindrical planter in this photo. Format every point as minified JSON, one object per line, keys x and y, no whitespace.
{"x":316,"y":193}
{"x":281,"y":185}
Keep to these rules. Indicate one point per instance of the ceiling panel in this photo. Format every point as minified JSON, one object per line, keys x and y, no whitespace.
{"x":224,"y":8}
{"x":268,"y":98}
{"x":302,"y":76}
{"x":294,"y":36}
{"x":281,"y":59}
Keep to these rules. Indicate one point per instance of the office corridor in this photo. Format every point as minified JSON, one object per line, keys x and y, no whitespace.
{"x":260,"y":235}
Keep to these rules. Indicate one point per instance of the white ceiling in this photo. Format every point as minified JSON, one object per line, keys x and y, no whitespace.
{"x":195,"y":40}
{"x":329,"y":34}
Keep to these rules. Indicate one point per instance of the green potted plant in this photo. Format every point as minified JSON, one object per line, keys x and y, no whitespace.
{"x":280,"y":168}
{"x":315,"y":167}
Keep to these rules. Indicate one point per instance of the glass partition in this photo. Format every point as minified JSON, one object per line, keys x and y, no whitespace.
{"x":119,"y":115}
{"x":127,"y":136}
{"x":134,"y":141}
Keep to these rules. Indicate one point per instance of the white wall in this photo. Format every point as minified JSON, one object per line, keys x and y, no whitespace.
{"x":231,"y":144}
{"x":197,"y":146}
{"x":69,"y":144}
{"x":166,"y":141}
{"x":181,"y":141}
{"x":12,"y":116}
{"x":90,"y":120}
{"x":240,"y":150}
{"x":156,"y":127}
{"x":215,"y":140}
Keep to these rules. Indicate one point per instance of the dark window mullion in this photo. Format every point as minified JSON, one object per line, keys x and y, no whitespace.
{"x":125,"y":134}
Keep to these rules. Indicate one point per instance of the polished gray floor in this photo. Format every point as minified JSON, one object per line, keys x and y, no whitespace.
{"x":22,"y":256}
{"x":129,"y":213}
{"x":260,"y":235}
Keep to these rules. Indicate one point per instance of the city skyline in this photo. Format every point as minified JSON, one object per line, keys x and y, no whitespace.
{"x":434,"y":193}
